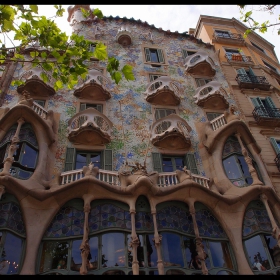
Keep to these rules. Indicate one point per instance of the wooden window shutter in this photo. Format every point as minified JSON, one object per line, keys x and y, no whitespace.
{"x":160,"y":55}
{"x":251,"y":72}
{"x":185,"y":53}
{"x":147,"y":54}
{"x":99,"y":108}
{"x":257,"y":102}
{"x":108,"y":159}
{"x":270,"y":102}
{"x":191,"y":163}
{"x":275,"y":146}
{"x":69,"y":159}
{"x":157,"y":162}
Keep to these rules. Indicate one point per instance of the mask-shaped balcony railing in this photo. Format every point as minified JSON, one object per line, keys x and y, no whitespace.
{"x":124,"y":37}
{"x":200,"y":64}
{"x":171,"y":132}
{"x":35,"y":85}
{"x":95,"y":87}
{"x":211,"y":96}
{"x":163,"y":91}
{"x":251,"y":82}
{"x":267,"y":116}
{"x":90,"y":127}
{"x":226,"y":37}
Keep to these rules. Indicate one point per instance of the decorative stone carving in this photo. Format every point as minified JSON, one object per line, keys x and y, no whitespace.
{"x":184,"y":174}
{"x":90,"y":170}
{"x":124,"y":37}
{"x":26,"y":99}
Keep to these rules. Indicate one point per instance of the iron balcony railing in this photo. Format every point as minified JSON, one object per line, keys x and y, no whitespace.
{"x":243,"y":78}
{"x":261,"y":112}
{"x":277,"y":161}
{"x":234,"y":36}
{"x":232,"y":57}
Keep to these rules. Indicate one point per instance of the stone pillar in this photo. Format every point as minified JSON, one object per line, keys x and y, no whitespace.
{"x":157,"y":241}
{"x":134,"y":244}
{"x":13,"y":147}
{"x":248,"y":160}
{"x":198,"y":241}
{"x":275,"y":228}
{"x":85,"y":249}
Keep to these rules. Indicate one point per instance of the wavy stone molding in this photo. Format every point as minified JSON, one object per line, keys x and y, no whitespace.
{"x":89,"y":127}
{"x":211,"y":96}
{"x":200,"y":64}
{"x":171,"y":132}
{"x":163,"y":91}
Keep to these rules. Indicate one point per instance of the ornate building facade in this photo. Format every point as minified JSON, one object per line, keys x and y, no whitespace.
{"x":160,"y":175}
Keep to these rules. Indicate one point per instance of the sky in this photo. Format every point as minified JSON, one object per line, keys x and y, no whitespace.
{"x":176,"y":17}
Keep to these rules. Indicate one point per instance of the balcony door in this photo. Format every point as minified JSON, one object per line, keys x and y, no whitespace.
{"x":246,"y":76}
{"x":265,"y":107}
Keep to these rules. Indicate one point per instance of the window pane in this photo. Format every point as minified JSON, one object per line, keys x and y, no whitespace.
{"x":167,"y":164}
{"x":171,"y":250}
{"x":231,"y":168}
{"x":29,"y":157}
{"x":220,"y":254}
{"x":179,"y":163}
{"x":113,"y":249}
{"x":24,"y":174}
{"x":81,"y":161}
{"x":154,"y":56}
{"x":256,"y":253}
{"x":93,"y":243}
{"x":54,"y":255}
{"x":95,"y":159}
{"x":11,"y":253}
{"x":151,"y":251}
{"x":273,"y":249}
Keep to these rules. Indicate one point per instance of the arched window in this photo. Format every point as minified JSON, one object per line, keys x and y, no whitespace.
{"x":25,"y":157}
{"x":178,"y":240}
{"x":261,"y":248}
{"x":109,"y":227}
{"x":12,"y":235}
{"x":235,"y":165}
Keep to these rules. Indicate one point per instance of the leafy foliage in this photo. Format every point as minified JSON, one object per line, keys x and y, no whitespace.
{"x":254,"y":25}
{"x":61,"y":57}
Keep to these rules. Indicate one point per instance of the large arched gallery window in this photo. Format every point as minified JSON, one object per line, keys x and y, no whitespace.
{"x":12,"y":235}
{"x":261,"y":248}
{"x":178,"y":240}
{"x":25,"y":157}
{"x":235,"y":165}
{"x":109,"y":227}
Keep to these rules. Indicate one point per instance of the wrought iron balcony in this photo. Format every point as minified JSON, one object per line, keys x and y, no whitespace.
{"x":251,"y":82}
{"x":95,"y":87}
{"x":200,"y":64}
{"x":212,"y":96}
{"x":34,"y":84}
{"x":234,"y":38}
{"x":89,"y":127}
{"x":171,"y":132}
{"x":267,"y":116}
{"x":277,"y":161}
{"x":239,"y":58}
{"x":163,"y":91}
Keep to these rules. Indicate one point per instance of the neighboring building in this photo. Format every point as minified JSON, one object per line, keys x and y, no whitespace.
{"x":161,"y":175}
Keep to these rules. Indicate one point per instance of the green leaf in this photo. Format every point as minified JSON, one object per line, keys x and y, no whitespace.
{"x":44,"y":77}
{"x":34,"y":54}
{"x":98,"y":13}
{"x":116,"y":76}
{"x":34,"y":8}
{"x":127,"y":72}
{"x":59,"y":84}
{"x":248,"y":14}
{"x":100,"y":51}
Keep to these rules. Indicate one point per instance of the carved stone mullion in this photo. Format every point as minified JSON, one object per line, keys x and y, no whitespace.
{"x":13,"y":147}
{"x":275,"y":228}
{"x":85,"y":249}
{"x":248,"y":160}
{"x":134,"y":244}
{"x":157,"y":241}
{"x":198,"y":242}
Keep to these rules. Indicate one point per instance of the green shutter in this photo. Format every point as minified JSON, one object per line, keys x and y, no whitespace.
{"x":241,"y":71}
{"x":251,"y":72}
{"x":257,"y":102}
{"x":108,"y":159}
{"x":274,"y":144}
{"x":191,"y":163}
{"x":69,"y":159}
{"x":185,"y":53}
{"x":157,"y":162}
{"x":157,"y":115}
{"x":270,"y":102}
{"x":200,"y":82}
{"x":83,"y":106}
{"x":99,"y":108}
{"x":160,"y":55}
{"x":147,"y":54}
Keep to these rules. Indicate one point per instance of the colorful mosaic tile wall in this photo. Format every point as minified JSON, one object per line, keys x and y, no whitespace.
{"x":136,"y":112}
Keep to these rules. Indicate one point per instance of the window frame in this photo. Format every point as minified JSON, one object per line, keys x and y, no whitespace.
{"x":160,"y":54}
{"x":258,"y":47}
{"x":185,"y":53}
